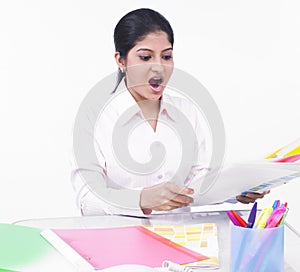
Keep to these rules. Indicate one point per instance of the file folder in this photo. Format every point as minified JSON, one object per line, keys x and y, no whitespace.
{"x":105,"y":247}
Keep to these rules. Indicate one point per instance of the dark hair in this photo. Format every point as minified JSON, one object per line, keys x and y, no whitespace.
{"x":133,"y":27}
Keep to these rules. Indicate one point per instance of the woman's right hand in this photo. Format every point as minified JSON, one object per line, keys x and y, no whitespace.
{"x":165,"y":196}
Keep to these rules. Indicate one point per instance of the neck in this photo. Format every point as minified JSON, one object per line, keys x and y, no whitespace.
{"x":150,"y":108}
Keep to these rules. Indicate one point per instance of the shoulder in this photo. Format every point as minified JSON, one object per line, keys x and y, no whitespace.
{"x":193,"y":113}
{"x":182,"y":103}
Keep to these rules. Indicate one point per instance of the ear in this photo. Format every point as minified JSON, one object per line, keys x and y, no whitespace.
{"x":120,"y":61}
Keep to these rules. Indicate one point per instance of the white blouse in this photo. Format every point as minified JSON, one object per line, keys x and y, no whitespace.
{"x":125,"y":162}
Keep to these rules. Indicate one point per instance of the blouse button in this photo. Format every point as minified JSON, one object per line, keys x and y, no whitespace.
{"x":159,"y":176}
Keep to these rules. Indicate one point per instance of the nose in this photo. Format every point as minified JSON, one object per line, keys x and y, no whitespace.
{"x":157,"y":66}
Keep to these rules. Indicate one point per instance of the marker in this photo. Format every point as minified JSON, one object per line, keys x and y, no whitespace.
{"x":276,"y":204}
{"x":276,"y":217}
{"x":233,"y":219}
{"x":263,"y":217}
{"x":240,"y":219}
{"x":252,"y":216}
{"x":283,"y":218}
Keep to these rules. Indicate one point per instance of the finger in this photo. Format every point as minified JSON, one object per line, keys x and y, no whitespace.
{"x":164,"y":207}
{"x":254,"y":195}
{"x":244,"y":199}
{"x":177,"y":200}
{"x":170,"y":205}
{"x":170,"y":190}
{"x":147,"y":211}
{"x":174,"y":188}
{"x":187,"y":191}
{"x":183,"y":199}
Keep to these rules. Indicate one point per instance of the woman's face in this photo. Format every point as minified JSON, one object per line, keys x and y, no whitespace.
{"x":149,"y":65}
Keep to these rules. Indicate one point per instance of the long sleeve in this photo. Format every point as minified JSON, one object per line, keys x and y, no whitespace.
{"x":103,"y":200}
{"x":94,"y":195}
{"x":95,"y":198}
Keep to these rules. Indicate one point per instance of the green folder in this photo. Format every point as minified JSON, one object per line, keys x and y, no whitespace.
{"x":20,"y":246}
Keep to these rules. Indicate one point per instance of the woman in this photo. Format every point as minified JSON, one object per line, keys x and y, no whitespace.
{"x":127,"y":178}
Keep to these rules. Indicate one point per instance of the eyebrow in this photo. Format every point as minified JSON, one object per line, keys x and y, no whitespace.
{"x":147,"y":49}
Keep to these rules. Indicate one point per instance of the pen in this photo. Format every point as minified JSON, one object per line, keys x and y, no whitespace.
{"x":279,"y":209}
{"x":239,"y":219}
{"x":276,"y":217}
{"x":233,"y":219}
{"x":263,"y":217}
{"x":252,"y":216}
{"x":283,"y":217}
{"x":276,"y":204}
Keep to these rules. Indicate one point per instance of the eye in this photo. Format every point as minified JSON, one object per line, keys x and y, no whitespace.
{"x":145,"y":58}
{"x":167,"y":57}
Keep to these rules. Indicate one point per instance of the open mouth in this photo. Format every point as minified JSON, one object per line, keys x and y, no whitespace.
{"x":155,"y":84}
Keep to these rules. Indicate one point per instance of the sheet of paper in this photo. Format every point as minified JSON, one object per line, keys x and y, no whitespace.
{"x":236,"y":178}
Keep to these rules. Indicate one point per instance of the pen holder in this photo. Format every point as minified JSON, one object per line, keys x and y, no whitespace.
{"x":253,"y":250}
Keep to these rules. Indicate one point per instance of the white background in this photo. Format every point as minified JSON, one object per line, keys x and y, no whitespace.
{"x":246,"y":53}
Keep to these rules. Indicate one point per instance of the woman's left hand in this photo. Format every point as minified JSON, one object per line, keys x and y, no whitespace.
{"x":251,"y":197}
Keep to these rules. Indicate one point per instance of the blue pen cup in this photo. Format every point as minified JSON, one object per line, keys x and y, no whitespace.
{"x":256,"y":250}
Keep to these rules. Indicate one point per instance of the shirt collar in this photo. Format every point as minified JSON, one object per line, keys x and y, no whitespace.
{"x":167,"y":106}
{"x":125,"y":102}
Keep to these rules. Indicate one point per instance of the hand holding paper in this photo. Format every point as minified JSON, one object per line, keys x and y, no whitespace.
{"x":241,"y":178}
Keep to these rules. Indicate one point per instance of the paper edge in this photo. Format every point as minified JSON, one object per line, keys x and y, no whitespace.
{"x":72,"y":255}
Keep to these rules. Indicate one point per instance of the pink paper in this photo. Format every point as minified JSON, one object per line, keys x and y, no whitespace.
{"x":106,"y":247}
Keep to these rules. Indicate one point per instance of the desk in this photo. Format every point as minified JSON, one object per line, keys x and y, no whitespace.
{"x":57,"y":263}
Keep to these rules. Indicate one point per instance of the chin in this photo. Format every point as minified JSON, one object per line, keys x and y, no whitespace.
{"x":156,"y":96}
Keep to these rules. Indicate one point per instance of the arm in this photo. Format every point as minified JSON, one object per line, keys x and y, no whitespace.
{"x":162,"y":197}
{"x":88,"y":173}
{"x":95,"y":198}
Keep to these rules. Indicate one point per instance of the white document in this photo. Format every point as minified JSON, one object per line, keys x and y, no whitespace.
{"x":237,"y":178}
